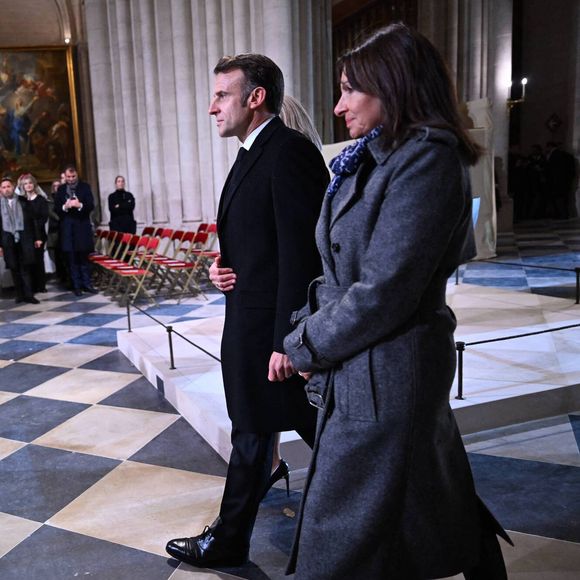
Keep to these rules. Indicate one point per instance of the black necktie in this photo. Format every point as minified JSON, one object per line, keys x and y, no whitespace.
{"x":238,"y":163}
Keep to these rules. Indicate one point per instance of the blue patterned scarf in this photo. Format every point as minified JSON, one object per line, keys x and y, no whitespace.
{"x":349,"y":159}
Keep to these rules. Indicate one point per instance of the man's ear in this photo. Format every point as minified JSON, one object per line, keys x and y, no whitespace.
{"x":257,"y":98}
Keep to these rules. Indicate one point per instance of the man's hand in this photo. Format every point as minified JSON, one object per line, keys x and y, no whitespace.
{"x":280,"y":368}
{"x":38,"y":244}
{"x":223,"y":279}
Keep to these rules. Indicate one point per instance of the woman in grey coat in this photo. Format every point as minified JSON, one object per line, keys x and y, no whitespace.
{"x":390,"y":492}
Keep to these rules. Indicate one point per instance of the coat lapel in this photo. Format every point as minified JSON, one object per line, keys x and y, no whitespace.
{"x":230,"y":187}
{"x":342,"y":200}
{"x":323,"y":235}
{"x":379,"y":155}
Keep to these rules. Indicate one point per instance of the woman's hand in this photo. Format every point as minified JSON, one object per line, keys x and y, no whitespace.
{"x":223,"y":279}
{"x":305,"y":376}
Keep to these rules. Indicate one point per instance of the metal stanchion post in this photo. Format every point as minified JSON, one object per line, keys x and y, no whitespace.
{"x":460,"y":347}
{"x":457,"y":276}
{"x":577,"y":270}
{"x":129,"y":316}
{"x":172,"y":362}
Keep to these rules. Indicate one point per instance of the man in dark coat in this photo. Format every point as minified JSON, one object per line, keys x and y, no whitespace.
{"x":74,"y":203}
{"x":266,"y":219}
{"x":560,"y":174}
{"x":17,"y":236}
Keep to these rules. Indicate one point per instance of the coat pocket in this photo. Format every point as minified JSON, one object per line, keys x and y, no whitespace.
{"x":354,"y":388}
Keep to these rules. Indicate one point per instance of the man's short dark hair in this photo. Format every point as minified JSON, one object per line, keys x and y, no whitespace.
{"x":259,"y":71}
{"x":7,"y":178}
{"x":70,"y":167}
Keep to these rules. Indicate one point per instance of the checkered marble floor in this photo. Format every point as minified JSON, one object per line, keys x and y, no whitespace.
{"x":98,"y":471}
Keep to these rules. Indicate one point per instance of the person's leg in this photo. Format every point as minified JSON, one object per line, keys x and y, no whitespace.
{"x":22,"y":276}
{"x":38,"y":272}
{"x":18,"y":285}
{"x":85,"y":271}
{"x":226,"y":542}
{"x":276,"y":455}
{"x":247,"y":478}
{"x":75,"y":271}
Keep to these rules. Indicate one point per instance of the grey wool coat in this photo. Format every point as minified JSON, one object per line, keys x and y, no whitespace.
{"x":390,"y":492}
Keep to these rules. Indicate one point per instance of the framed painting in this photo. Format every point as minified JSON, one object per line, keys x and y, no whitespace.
{"x":39,"y":130}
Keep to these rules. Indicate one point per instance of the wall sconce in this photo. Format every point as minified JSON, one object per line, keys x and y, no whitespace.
{"x":511,"y":103}
{"x":67,"y":40}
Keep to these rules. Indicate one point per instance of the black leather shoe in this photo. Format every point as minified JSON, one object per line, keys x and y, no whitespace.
{"x":206,"y":550}
{"x":32,"y":300}
{"x":77,"y":292}
{"x":90,"y":289}
{"x":282,"y":471}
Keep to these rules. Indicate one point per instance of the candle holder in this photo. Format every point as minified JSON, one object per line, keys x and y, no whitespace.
{"x":511,"y":103}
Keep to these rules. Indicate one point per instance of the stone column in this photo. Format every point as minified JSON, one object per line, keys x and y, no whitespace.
{"x":475,"y":37}
{"x":151,"y":64}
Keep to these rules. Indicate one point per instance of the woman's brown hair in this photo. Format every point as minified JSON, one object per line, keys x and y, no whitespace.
{"x":406,"y":72}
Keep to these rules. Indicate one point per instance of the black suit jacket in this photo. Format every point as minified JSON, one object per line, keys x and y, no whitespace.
{"x":266,"y":221}
{"x":76,"y":230}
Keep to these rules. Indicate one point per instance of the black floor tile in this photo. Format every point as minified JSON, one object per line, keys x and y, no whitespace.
{"x":54,"y":554}
{"x":532,"y":497}
{"x":15,"y":330}
{"x":97,"y":337}
{"x":90,"y":319}
{"x":20,"y":377}
{"x":181,"y":447}
{"x":568,"y":292}
{"x":140,"y":394}
{"x":112,"y":361}
{"x":36,"y":482}
{"x":17,"y":349}
{"x":26,"y":418}
{"x":12,"y":315}
{"x":83,"y":306}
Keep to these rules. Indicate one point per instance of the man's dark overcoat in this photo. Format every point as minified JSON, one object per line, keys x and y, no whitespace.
{"x":390,"y":492}
{"x":266,"y":220}
{"x":32,"y":232}
{"x":76,"y":231}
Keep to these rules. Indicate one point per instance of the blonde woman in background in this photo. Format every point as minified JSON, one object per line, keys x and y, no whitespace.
{"x":37,"y":202}
{"x":294,"y":115}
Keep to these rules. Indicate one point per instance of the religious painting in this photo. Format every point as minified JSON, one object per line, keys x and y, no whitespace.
{"x":38,"y":112}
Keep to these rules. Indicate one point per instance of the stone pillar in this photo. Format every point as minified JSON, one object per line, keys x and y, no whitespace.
{"x":475,"y":37}
{"x":151,"y":64}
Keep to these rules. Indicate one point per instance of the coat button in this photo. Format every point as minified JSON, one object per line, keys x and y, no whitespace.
{"x":335,"y":247}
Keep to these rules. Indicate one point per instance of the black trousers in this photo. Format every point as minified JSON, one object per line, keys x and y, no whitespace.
{"x":80,"y":269}
{"x":246,"y":481}
{"x":21,"y":275}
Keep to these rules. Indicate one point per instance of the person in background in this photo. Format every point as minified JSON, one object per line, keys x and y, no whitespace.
{"x":53,"y":242}
{"x":560,"y":175}
{"x":390,"y":493}
{"x":121,"y":208}
{"x":74,"y":203}
{"x":295,"y":116}
{"x":17,"y":237}
{"x":37,"y":202}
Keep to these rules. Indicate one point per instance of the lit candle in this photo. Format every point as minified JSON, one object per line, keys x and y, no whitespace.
{"x":524,"y":83}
